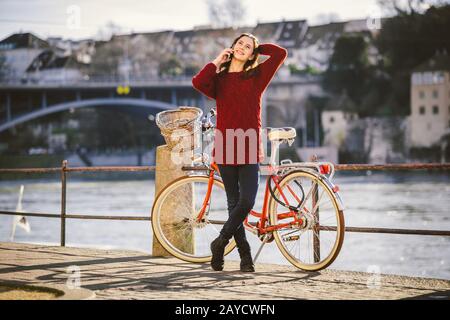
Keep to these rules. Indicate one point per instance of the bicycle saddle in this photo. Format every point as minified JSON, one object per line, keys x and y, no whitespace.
{"x":285,"y":133}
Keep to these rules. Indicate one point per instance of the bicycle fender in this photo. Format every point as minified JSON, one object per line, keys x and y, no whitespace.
{"x":339,"y":201}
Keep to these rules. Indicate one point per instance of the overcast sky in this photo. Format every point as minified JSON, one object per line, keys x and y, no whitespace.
{"x":60,"y":17}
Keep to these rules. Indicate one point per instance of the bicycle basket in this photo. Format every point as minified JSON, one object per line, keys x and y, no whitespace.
{"x":181,"y":127}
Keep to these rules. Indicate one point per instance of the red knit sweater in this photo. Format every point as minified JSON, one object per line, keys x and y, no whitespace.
{"x":238,"y":103}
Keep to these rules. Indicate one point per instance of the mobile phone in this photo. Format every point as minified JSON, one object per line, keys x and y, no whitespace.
{"x":230,"y":55}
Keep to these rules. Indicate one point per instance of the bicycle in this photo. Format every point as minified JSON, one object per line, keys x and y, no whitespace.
{"x":302,"y":209}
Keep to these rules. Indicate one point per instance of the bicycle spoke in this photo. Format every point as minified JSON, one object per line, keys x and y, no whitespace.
{"x":175,"y":220}
{"x":305,"y":246}
{"x":306,"y":199}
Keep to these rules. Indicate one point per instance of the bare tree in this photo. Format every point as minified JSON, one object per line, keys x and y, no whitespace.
{"x":226,"y":13}
{"x":325,"y":18}
{"x":214,"y":13}
{"x":109,"y":30}
{"x":408,"y":7}
{"x":236,"y":12}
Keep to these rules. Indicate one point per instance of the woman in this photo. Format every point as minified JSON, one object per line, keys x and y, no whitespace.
{"x":236,"y":81}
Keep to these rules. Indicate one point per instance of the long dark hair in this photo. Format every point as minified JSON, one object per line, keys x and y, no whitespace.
{"x":250,"y":66}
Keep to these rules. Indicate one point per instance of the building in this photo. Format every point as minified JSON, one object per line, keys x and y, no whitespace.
{"x":49,"y":67}
{"x":81,"y":50}
{"x":31,"y":59}
{"x":337,"y":119}
{"x":19,"y":50}
{"x":430,"y":101}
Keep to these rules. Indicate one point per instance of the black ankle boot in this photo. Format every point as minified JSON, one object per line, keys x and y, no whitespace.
{"x":217,"y":250}
{"x":246,"y":258}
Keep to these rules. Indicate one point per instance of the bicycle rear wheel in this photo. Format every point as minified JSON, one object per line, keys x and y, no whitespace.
{"x":314,"y":244}
{"x":174,"y":216}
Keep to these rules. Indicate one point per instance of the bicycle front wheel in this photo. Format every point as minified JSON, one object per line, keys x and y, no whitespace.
{"x":315,"y":243}
{"x":175,"y":213}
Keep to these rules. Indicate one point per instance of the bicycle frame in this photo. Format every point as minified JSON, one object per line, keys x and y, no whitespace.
{"x":261,"y":227}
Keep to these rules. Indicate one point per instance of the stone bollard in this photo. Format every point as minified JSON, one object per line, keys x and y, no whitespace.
{"x":167,"y":171}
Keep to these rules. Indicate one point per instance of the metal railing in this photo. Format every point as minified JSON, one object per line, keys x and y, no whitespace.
{"x":64,"y":169}
{"x":133,"y":80}
{"x":95,"y":79}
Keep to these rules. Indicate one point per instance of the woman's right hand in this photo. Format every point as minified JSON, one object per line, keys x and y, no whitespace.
{"x":223,"y":57}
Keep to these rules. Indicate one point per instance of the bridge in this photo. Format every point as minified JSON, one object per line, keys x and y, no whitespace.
{"x":20,"y":103}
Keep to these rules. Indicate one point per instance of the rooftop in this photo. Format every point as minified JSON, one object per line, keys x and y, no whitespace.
{"x":23,"y":40}
{"x":48,"y":59}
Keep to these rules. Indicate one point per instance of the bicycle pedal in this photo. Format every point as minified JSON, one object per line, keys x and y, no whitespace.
{"x":291,"y":238}
{"x":270,"y":239}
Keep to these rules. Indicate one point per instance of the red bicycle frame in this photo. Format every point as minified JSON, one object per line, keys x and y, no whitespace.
{"x":261,"y":226}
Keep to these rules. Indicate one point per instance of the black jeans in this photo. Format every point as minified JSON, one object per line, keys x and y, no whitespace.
{"x":241,"y":185}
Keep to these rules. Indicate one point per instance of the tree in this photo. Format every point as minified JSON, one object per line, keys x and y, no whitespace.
{"x":407,"y":40}
{"x":349,"y":68}
{"x":325,"y":18}
{"x":350,"y":73}
{"x":108,"y":55}
{"x":171,"y":67}
{"x":228,"y":13}
{"x":214,"y":12}
{"x":236,"y":12}
{"x":400,"y":7}
{"x":107,"y":58}
{"x":110,"y":29}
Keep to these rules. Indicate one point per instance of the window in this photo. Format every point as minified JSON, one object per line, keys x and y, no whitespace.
{"x":421,"y":94}
{"x":435,"y":110}
{"x":435,"y":94}
{"x":421,"y":110}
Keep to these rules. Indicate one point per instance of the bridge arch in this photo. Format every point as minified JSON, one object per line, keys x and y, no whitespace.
{"x":150,"y":104}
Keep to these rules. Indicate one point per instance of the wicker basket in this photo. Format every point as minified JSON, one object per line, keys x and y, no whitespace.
{"x":180,"y":126}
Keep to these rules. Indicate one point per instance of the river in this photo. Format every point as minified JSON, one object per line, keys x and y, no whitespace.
{"x":416,"y":200}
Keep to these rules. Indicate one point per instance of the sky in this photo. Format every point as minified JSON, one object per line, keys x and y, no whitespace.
{"x":71,"y":19}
